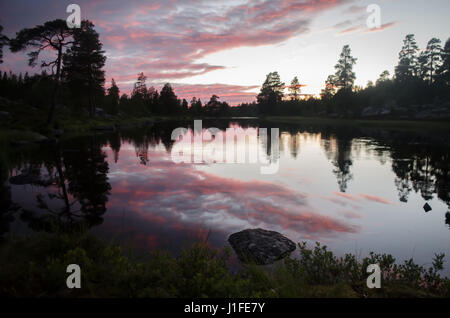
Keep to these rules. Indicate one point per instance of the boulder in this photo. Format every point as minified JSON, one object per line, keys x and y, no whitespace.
{"x":427,"y":208}
{"x":260,"y":246}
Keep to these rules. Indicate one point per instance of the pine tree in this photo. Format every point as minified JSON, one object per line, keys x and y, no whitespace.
{"x":444,"y":71}
{"x":408,"y":66}
{"x":294,"y":89}
{"x":330,"y":88}
{"x":271,"y":93}
{"x":430,"y":60}
{"x":3,"y":41}
{"x":113,"y":98}
{"x":384,"y":77}
{"x":169,"y":100}
{"x":84,"y":62}
{"x":345,"y":77}
{"x":140,"y":88}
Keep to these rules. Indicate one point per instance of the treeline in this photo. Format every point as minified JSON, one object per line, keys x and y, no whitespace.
{"x":36,"y":91}
{"x":421,"y":78}
{"x":76,"y":80}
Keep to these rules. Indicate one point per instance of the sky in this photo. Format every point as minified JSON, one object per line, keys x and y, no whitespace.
{"x":227,"y":47}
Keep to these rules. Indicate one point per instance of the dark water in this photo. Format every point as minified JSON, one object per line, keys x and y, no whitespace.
{"x":355,"y":189}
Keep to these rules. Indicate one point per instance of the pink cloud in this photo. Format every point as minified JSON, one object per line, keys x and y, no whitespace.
{"x":166,"y":39}
{"x":383,"y":27}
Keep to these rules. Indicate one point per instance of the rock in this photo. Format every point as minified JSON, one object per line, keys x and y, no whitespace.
{"x":427,"y":207}
{"x":260,"y":246}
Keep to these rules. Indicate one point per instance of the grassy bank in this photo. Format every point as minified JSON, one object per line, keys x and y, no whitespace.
{"x":36,"y":267}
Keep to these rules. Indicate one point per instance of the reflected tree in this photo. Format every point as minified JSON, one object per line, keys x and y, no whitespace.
{"x":80,"y":194}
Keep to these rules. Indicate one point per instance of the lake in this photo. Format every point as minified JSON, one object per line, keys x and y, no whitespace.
{"x":354,"y":188}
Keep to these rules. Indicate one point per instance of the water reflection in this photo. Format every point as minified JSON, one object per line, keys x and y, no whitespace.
{"x":70,"y":186}
{"x":339,"y":184}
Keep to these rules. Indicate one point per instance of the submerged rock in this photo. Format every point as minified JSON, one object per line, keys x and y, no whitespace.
{"x":260,"y":246}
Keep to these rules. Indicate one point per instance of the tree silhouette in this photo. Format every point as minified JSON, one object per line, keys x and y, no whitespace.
{"x":430,"y":60}
{"x":140,"y":88}
{"x":168,"y":100}
{"x":407,"y":67}
{"x":345,"y":77}
{"x":196,"y":106}
{"x":271,"y":93}
{"x":84,"y":62}
{"x":294,"y":89}
{"x":112,"y":98}
{"x":384,"y":77}
{"x":54,"y":35}
{"x":330,"y":88}
{"x":3,"y":41}
{"x":444,"y":71}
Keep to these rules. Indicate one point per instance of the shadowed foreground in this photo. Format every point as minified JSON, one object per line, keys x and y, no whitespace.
{"x":36,"y":267}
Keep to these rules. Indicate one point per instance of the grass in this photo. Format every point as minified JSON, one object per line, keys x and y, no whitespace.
{"x":36,"y":267}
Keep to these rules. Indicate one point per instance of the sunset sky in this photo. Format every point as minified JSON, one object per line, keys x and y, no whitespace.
{"x":227,"y":47}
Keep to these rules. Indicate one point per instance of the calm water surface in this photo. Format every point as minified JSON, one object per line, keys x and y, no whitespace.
{"x":355,"y":189}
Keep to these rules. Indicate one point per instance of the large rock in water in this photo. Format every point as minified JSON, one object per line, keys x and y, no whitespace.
{"x":260,"y":246}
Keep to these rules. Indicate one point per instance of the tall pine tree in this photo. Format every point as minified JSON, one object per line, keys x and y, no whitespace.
{"x":408,"y":66}
{"x":345,"y":77}
{"x":3,"y":41}
{"x":444,"y":71}
{"x":431,"y":60}
{"x":83,"y":64}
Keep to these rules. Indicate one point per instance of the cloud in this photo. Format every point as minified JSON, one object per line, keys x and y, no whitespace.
{"x":364,"y":196}
{"x":167,"y":39}
{"x":233,"y":94}
{"x":383,"y":27}
{"x":355,"y":9}
{"x":352,"y":29}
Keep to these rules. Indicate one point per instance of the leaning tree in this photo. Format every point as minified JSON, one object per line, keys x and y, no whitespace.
{"x":52,"y":35}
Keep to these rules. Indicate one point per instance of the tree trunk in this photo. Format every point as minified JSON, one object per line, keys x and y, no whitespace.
{"x":55,"y":87}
